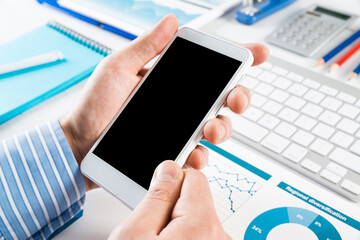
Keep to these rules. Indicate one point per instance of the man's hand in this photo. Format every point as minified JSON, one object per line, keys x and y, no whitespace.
{"x":115,"y":78}
{"x":178,"y":205}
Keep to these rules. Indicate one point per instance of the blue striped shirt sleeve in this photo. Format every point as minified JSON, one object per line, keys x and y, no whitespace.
{"x":41,"y":186}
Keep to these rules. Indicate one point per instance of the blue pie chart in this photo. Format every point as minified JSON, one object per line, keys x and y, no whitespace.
{"x":261,"y":226}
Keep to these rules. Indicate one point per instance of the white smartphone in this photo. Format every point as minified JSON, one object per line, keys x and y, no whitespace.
{"x":164,"y":116}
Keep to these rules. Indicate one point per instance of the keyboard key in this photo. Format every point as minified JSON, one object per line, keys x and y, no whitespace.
{"x":275,"y":142}
{"x":267,"y":77}
{"x":266,"y":65}
{"x":295,"y":153}
{"x":351,"y":186}
{"x":337,"y":169}
{"x":253,"y":114}
{"x":310,"y":165}
{"x":349,"y":111}
{"x":269,"y":121}
{"x":342,"y":139}
{"x":288,"y":114}
{"x":279,"y":71}
{"x":330,"y":118}
{"x":249,"y":82}
{"x":305,"y":122}
{"x":295,"y":77}
{"x":272,"y":107}
{"x":330,"y":176}
{"x":323,"y":130}
{"x":357,"y":103}
{"x":254,"y":71}
{"x":279,"y":95}
{"x":282,"y":83}
{"x":314,"y":96}
{"x":331,"y":103}
{"x":328,"y":90}
{"x":295,"y":102}
{"x":264,"y":89}
{"x":355,"y":148}
{"x":257,"y":100}
{"x":321,"y":147}
{"x":298,"y":89}
{"x":348,"y":125}
{"x":247,"y":128}
{"x":285,"y":129}
{"x":346,"y":97}
{"x":346,"y":159}
{"x":312,"y":110}
{"x":311,"y":83}
{"x":303,"y":138}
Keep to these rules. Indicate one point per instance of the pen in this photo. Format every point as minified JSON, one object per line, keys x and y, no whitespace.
{"x":355,"y":72}
{"x":338,"y":48}
{"x":345,"y":57}
{"x":32,"y":62}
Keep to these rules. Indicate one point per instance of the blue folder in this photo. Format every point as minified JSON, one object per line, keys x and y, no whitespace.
{"x":24,"y":89}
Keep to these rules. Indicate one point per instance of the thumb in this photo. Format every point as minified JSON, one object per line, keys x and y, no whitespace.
{"x":154,"y":212}
{"x":149,"y":45}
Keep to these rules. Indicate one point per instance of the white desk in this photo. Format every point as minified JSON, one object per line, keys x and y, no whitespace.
{"x":102,"y":211}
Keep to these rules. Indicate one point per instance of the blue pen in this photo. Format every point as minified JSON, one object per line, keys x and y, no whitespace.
{"x":355,"y":72}
{"x":338,"y":48}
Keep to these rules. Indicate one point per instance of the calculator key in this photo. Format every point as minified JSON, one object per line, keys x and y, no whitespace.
{"x":312,"y":110}
{"x":305,"y":122}
{"x":269,"y":121}
{"x":337,"y":169}
{"x":310,"y":165}
{"x":267,"y":77}
{"x":328,"y":90}
{"x":348,"y":125}
{"x":321,"y":147}
{"x":342,"y":139}
{"x":303,"y":138}
{"x":288,"y":114}
{"x":351,"y":186}
{"x":253,"y":114}
{"x":295,"y":153}
{"x":297,"y":89}
{"x":355,"y":148}
{"x":346,"y":159}
{"x":346,"y":97}
{"x":279,"y":95}
{"x":330,"y":176}
{"x":295,"y":77}
{"x":314,"y":96}
{"x":311,"y":83}
{"x":275,"y":142}
{"x":349,"y":111}
{"x":282,"y":83}
{"x":264,"y":89}
{"x":295,"y":102}
{"x":272,"y":107}
{"x":331,"y":103}
{"x":285,"y":129}
{"x":330,"y":118}
{"x":257,"y":100}
{"x":323,"y":130}
{"x":279,"y":71}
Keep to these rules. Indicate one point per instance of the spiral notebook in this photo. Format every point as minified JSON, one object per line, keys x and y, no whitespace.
{"x":24,"y":89}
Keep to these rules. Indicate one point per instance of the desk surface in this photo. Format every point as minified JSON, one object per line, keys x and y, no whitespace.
{"x":102,"y":211}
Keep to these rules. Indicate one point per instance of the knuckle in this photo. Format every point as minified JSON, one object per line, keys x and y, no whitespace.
{"x":159,"y":194}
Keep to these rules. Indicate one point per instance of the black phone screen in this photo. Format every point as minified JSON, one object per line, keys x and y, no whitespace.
{"x":166,"y":110}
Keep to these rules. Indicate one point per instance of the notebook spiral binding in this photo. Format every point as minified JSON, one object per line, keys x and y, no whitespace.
{"x":85,"y":41}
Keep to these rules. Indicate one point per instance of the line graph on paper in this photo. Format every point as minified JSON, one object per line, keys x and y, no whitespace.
{"x":230,"y":187}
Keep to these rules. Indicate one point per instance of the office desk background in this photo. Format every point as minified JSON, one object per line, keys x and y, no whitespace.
{"x":102,"y":211}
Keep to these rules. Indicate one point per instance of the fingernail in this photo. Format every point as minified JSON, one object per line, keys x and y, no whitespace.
{"x":222,"y":131}
{"x":167,"y":171}
{"x":246,"y":100}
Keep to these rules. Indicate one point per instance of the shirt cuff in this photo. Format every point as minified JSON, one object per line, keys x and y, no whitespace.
{"x":41,"y":185}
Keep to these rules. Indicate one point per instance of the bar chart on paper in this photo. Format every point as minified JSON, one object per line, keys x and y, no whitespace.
{"x":230,"y":186}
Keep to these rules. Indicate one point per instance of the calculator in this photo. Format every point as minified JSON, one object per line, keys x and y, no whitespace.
{"x":310,"y":30}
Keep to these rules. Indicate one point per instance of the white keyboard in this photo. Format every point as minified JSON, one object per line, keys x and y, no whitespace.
{"x":305,"y":120}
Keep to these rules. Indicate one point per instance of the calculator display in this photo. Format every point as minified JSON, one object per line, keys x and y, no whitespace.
{"x":332,"y":13}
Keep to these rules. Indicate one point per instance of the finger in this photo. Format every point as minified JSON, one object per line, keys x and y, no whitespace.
{"x":218,"y":130}
{"x":238,"y":99}
{"x":259,"y":51}
{"x":146,"y":47}
{"x":143,"y":71}
{"x":197,"y":158}
{"x":154,"y":212}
